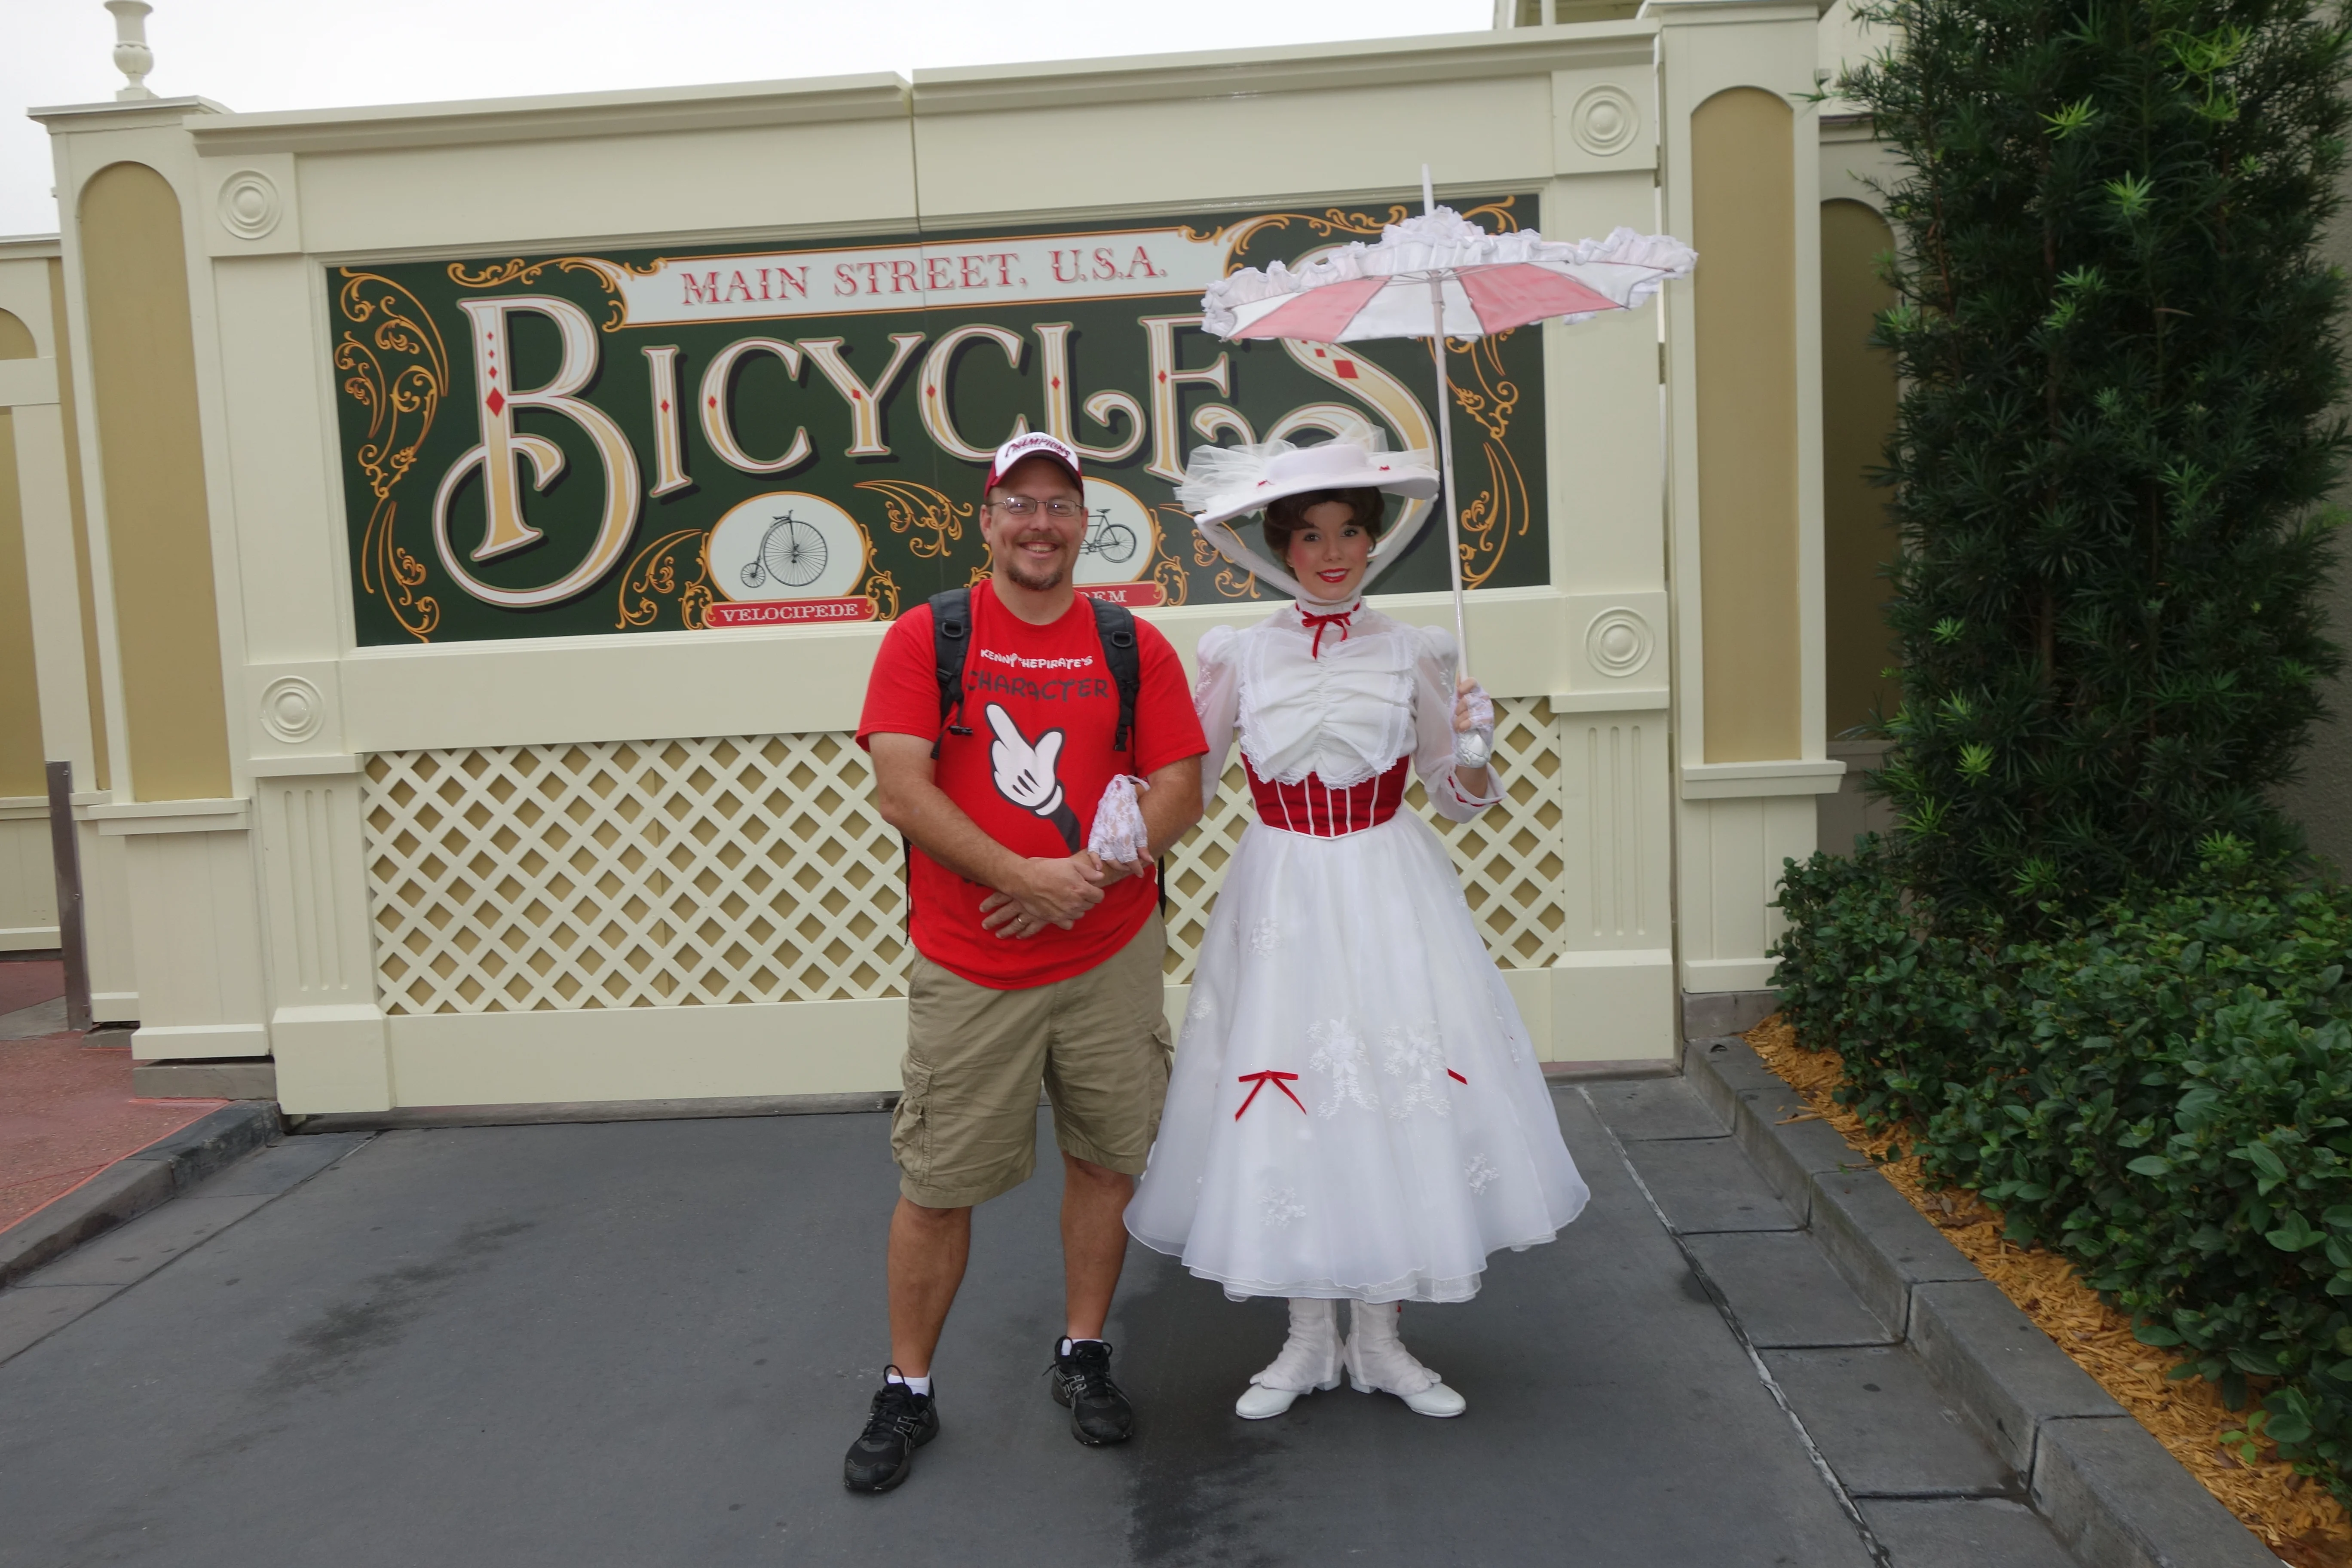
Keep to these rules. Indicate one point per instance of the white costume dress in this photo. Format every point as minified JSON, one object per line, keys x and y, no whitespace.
{"x":1356,"y":1110}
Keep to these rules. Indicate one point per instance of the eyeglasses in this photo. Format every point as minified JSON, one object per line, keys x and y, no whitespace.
{"x":1022,"y":507}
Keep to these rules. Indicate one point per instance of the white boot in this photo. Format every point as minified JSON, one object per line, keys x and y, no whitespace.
{"x":1309,"y":1360}
{"x":1378,"y":1362}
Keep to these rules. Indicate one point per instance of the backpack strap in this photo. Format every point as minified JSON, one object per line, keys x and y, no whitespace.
{"x":951,"y":645}
{"x":1114,"y":623}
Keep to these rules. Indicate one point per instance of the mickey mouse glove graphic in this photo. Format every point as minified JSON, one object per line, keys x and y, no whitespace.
{"x":1023,"y":773}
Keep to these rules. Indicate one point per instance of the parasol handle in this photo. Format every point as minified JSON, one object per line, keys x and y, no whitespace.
{"x":1472,"y":753}
{"x":1445,"y":451}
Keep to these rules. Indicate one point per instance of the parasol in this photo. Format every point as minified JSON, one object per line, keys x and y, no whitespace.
{"x":1439,"y":276}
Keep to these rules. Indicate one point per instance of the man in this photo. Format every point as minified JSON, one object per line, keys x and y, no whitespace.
{"x":1034,"y":962}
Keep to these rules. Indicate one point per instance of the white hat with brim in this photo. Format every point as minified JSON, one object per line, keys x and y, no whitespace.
{"x":1223,"y":483}
{"x":1228,"y":481}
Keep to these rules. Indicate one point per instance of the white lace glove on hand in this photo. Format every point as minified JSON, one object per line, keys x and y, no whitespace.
{"x":1473,"y":746}
{"x":1119,"y":833}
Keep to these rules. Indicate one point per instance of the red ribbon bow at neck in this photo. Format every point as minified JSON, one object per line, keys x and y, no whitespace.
{"x":1316,"y":623}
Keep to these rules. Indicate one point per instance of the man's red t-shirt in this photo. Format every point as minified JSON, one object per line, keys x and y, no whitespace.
{"x":1042,"y":711}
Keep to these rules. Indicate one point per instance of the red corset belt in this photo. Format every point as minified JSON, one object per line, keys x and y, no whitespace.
{"x":1312,"y":807}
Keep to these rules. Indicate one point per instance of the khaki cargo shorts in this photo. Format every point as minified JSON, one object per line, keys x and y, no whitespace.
{"x":966,"y":1128}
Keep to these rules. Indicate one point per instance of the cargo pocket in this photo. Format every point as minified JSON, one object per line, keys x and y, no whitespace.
{"x":910,"y":1124}
{"x":1163,"y":1060}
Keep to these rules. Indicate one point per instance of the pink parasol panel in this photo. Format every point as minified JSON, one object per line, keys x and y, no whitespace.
{"x":1483,"y":283}
{"x":1439,"y":276}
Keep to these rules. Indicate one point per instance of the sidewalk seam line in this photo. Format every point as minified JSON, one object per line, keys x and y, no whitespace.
{"x":1845,"y":1501}
{"x":31,"y":1282}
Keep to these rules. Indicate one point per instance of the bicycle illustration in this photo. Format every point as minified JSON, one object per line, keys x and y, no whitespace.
{"x":791,"y":555}
{"x":1114,"y":541}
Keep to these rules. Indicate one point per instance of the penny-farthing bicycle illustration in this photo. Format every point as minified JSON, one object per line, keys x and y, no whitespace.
{"x":790,"y":554}
{"x":786,"y":544}
{"x":1113,"y":540}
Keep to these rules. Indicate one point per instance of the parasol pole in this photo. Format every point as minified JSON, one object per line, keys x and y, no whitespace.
{"x":1445,"y":442}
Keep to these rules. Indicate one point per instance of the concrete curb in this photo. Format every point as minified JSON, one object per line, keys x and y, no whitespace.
{"x":413,"y":1118}
{"x":2110,"y":1491}
{"x":135,"y":1183}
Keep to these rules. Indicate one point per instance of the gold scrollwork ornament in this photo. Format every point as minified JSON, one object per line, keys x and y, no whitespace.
{"x":1498,"y":513}
{"x":494,"y":274}
{"x":396,"y":367}
{"x":1231,"y":581}
{"x":654,"y":575}
{"x":917,"y":511}
{"x":1167,"y":569}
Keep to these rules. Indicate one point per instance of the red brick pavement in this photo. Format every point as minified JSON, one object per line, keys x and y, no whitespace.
{"x":66,"y":1112}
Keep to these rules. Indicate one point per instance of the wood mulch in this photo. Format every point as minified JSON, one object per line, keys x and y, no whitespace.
{"x":2296,"y":1516}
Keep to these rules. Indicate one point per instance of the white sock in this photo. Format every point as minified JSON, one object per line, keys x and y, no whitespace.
{"x":921,"y":1386}
{"x":1069,"y":1344}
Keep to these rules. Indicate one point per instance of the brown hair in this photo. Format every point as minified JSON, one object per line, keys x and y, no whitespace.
{"x":1287,"y":516}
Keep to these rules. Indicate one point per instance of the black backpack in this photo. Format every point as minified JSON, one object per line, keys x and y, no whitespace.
{"x":952,"y":643}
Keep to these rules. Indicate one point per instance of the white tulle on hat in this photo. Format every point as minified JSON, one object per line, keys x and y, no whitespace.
{"x":1222,"y":483}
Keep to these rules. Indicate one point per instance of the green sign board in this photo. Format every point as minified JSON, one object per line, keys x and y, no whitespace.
{"x":571,"y":446}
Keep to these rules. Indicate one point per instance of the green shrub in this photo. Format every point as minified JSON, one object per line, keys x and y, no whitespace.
{"x":2162,"y":1092}
{"x":1865,"y":967}
{"x":2118,"y":331}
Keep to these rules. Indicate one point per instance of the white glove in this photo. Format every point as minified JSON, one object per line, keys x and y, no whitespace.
{"x":1119,"y":833}
{"x":1474,"y":746}
{"x":1025,"y":773}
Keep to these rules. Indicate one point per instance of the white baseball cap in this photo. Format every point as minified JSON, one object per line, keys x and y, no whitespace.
{"x":1033,"y":444}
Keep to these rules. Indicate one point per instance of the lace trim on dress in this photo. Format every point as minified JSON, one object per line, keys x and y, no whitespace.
{"x":1411,"y":1287}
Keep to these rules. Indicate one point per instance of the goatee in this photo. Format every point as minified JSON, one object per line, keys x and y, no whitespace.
{"x":1046,"y":584}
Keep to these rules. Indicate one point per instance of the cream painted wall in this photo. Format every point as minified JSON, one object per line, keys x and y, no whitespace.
{"x":142,"y":366}
{"x":39,"y":395}
{"x":1743,"y":202}
{"x":1736,"y":821}
{"x":20,"y":693}
{"x":28,"y":914}
{"x":84,"y":742}
{"x":251,"y":924}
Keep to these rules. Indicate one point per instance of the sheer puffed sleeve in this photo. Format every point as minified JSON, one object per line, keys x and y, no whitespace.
{"x":1217,"y":698}
{"x":1433,"y":723}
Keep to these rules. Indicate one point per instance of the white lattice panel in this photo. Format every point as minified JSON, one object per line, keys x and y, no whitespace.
{"x":755,"y":869}
{"x":623,"y":875}
{"x":1509,"y":858}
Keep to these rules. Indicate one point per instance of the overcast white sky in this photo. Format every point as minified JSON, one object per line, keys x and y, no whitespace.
{"x":255,"y":54}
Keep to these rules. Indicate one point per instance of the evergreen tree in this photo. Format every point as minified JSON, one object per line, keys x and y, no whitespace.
{"x":2121,"y":356}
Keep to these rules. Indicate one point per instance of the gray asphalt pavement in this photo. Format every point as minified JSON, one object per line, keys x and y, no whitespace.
{"x":648,"y":1343}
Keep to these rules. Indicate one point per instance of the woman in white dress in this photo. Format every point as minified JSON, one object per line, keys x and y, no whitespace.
{"x":1356,"y":1111}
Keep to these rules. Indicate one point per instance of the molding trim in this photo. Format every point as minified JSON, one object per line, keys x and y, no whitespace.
{"x":329,"y":764}
{"x":171,"y":816}
{"x":884,"y":95}
{"x":1654,"y":699}
{"x":1701,"y":975}
{"x":1225,"y":73}
{"x":878,"y":95}
{"x":168,"y":1042}
{"x":1735,"y":781}
{"x":128,"y":114}
{"x":25,"y":383}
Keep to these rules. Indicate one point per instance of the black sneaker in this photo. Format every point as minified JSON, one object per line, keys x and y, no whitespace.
{"x":1099,"y":1413}
{"x":901,"y":1422}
